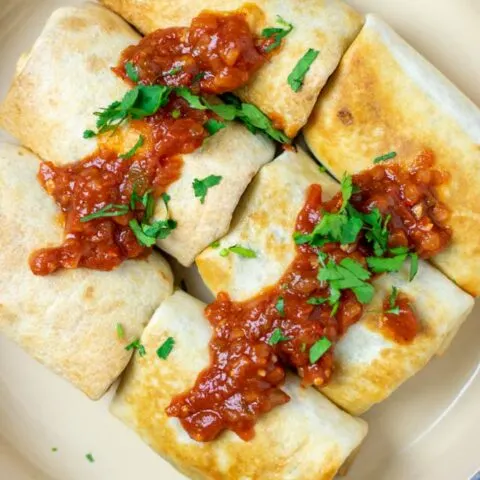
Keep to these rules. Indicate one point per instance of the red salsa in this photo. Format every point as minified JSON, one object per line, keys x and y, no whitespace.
{"x":217,"y":53}
{"x":291,"y":325}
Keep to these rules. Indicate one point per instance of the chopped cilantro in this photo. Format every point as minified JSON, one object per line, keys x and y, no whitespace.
{"x":89,"y":457}
{"x":413,"y":266}
{"x":147,"y":234}
{"x":318,"y":349}
{"x":280,"y":306}
{"x":134,"y":149}
{"x":136,"y":345}
{"x":215,"y":244}
{"x":297,"y":76}
{"x":166,"y":198}
{"x":176,"y":113}
{"x":199,"y":76}
{"x":239,"y":250}
{"x":110,"y":210}
{"x":212,"y":126}
{"x":54,"y":449}
{"x":201,"y":186}
{"x":383,"y":158}
{"x":382,"y":264}
{"x":120,"y":330}
{"x":139,"y":102}
{"x":349,"y":274}
{"x":277,"y":337}
{"x":393,"y":297}
{"x":89,"y":134}
{"x":164,"y":350}
{"x":394,"y":310}
{"x":276,"y":33}
{"x":317,"y":300}
{"x":132,"y":72}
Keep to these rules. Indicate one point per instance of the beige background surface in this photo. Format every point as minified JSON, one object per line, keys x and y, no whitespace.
{"x":428,"y":430}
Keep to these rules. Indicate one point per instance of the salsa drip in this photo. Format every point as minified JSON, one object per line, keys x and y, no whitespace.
{"x":217,"y":53}
{"x":255,"y":341}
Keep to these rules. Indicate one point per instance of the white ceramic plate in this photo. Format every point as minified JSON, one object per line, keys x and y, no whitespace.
{"x":427,"y":430}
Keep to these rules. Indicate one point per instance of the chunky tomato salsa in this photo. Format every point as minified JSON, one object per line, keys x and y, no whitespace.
{"x":107,"y":198}
{"x":381,"y":218}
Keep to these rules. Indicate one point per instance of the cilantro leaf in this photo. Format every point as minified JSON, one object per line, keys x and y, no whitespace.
{"x":317,"y":300}
{"x":132,"y":72}
{"x":280,"y":306}
{"x":255,"y":120}
{"x":110,"y":210}
{"x":347,"y":190}
{"x":383,"y":158}
{"x":394,"y":310}
{"x":164,"y":350}
{"x":277,"y":337}
{"x":201,"y":186}
{"x":176,"y":114}
{"x":213,"y":126}
{"x":277,"y":33}
{"x":148,"y":234}
{"x":136,"y":345}
{"x":194,"y":101}
{"x":166,"y":198}
{"x":89,"y":134}
{"x":318,"y":349}
{"x":393,"y":297}
{"x":120,"y":330}
{"x":349,"y":274}
{"x":227,"y":112}
{"x":90,"y":458}
{"x":381,"y":264}
{"x":413,"y":266}
{"x":238,"y":250}
{"x":215,"y":244}
{"x":297,"y":76}
{"x":134,"y":149}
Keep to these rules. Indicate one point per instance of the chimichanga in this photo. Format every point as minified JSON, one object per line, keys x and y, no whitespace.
{"x":385,"y":98}
{"x":68,"y":320}
{"x":308,"y":437}
{"x":369,"y":363}
{"x":327,"y":26}
{"x":67,"y":76}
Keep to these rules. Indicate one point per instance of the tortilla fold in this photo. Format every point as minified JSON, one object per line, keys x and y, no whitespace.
{"x":67,"y":320}
{"x":369,"y":365}
{"x":328,"y":26}
{"x":385,"y":97}
{"x":66,"y":77}
{"x":308,"y":437}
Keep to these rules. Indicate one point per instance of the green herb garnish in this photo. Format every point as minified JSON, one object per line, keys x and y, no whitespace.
{"x":89,"y":134}
{"x":238,"y":250}
{"x":165,"y":348}
{"x":276,"y":33}
{"x":212,"y":126}
{"x":148,"y":234}
{"x":110,"y":210}
{"x":383,"y":158}
{"x":215,"y":244}
{"x":139,"y":102}
{"x":349,"y":274}
{"x":317,"y":300}
{"x":280,"y":306}
{"x":297,"y":76}
{"x":136,"y":345}
{"x":383,"y":264}
{"x":277,"y":337}
{"x":134,"y":149}
{"x":120,"y":331}
{"x":413,"y":266}
{"x":176,"y":114}
{"x":318,"y":349}
{"x":89,"y":457}
{"x":166,"y":198}
{"x":54,"y":449}
{"x":201,"y":186}
{"x":132,"y":72}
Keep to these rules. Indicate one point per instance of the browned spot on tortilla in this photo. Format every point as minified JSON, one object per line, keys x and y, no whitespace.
{"x":73,"y":23}
{"x":96,"y":64}
{"x":88,"y":293}
{"x":345,"y":116}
